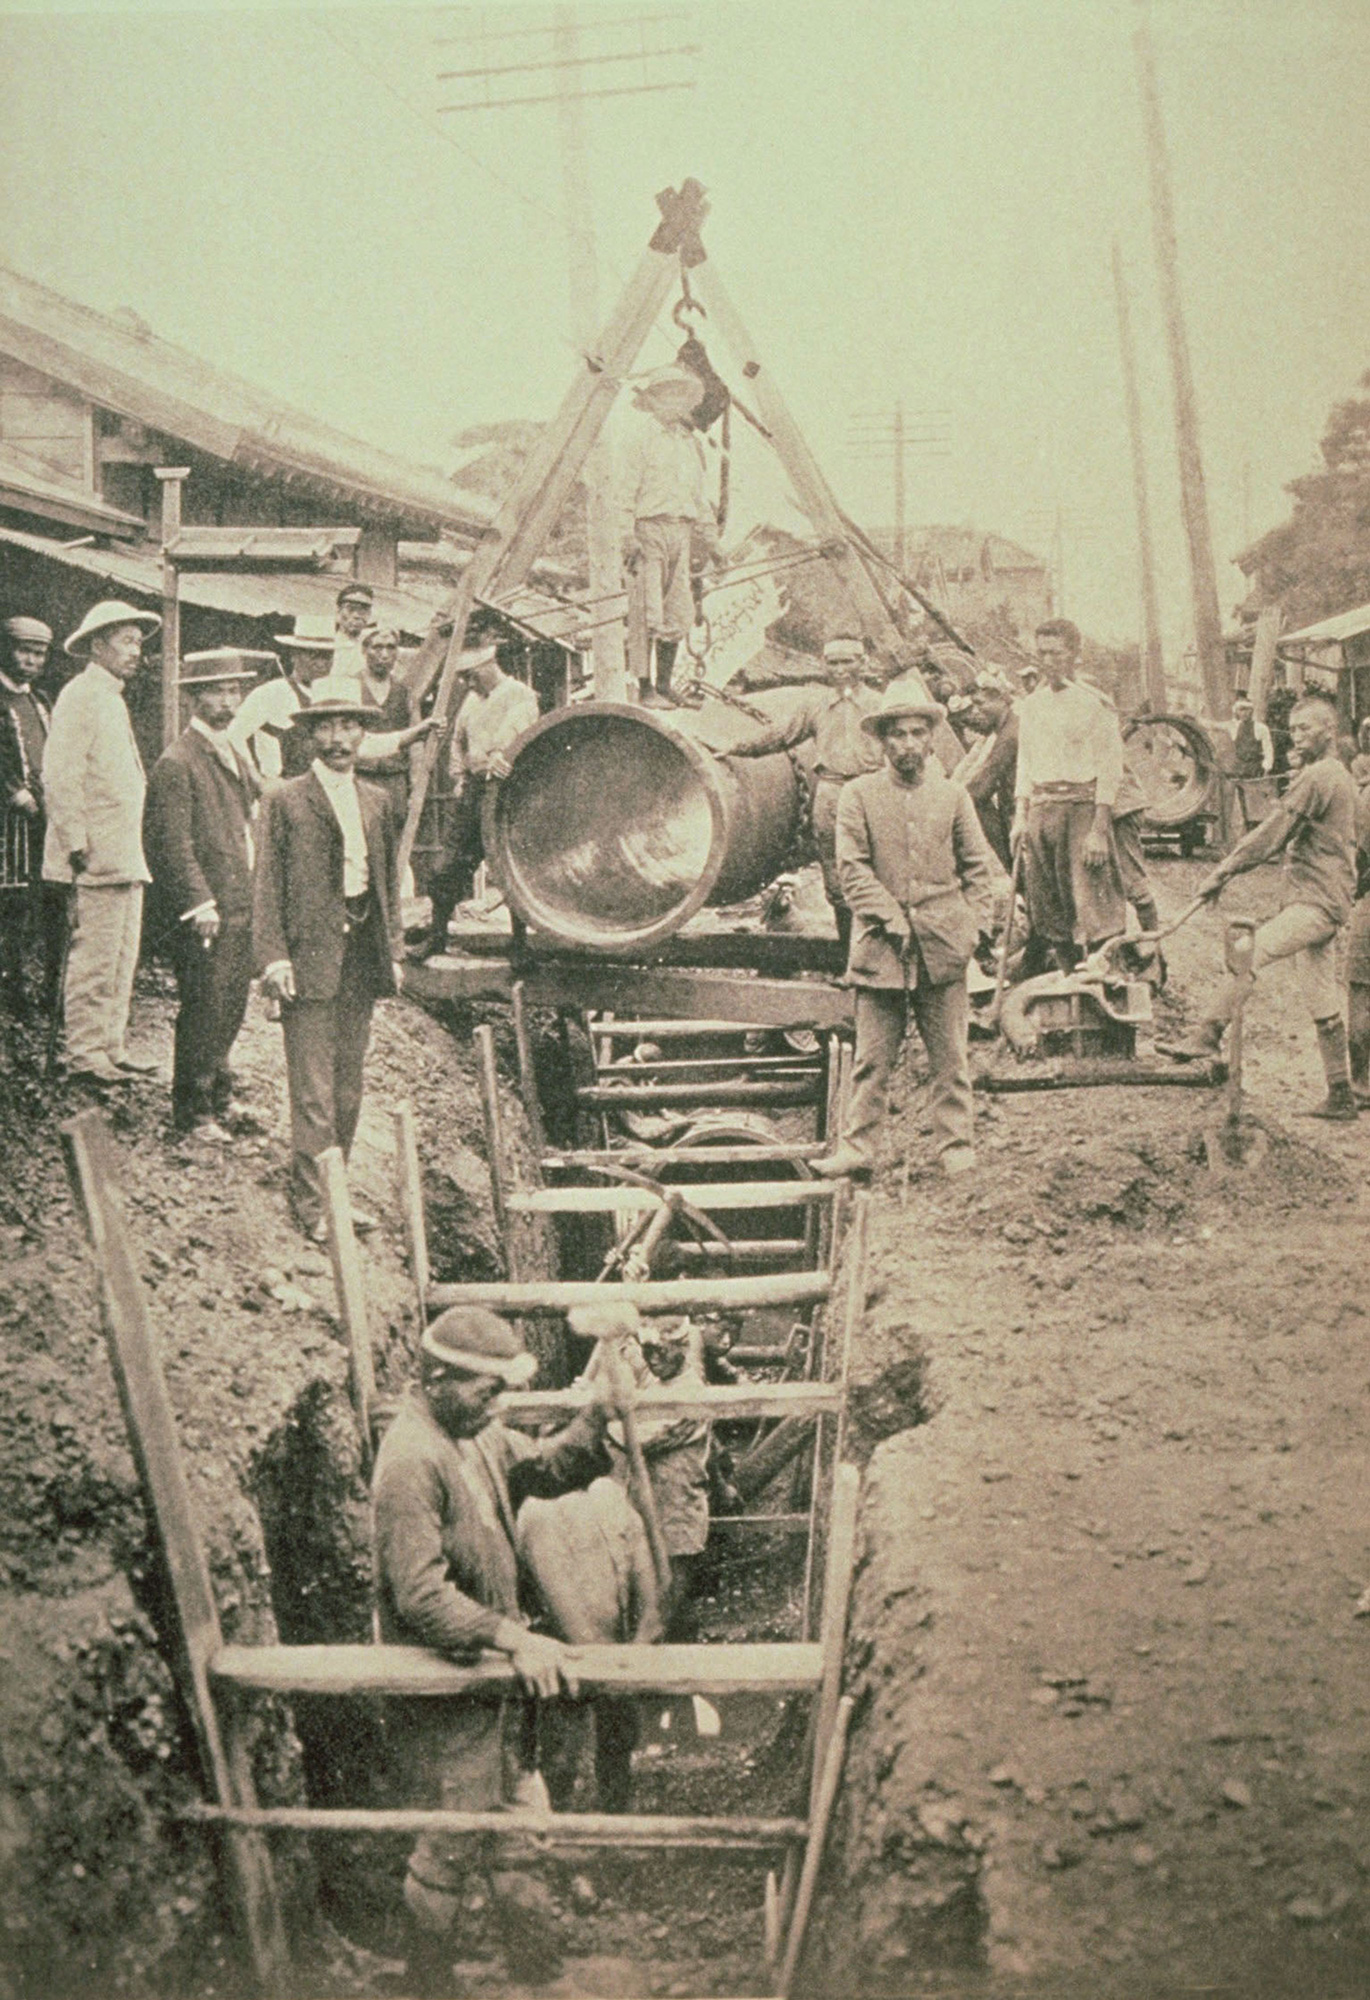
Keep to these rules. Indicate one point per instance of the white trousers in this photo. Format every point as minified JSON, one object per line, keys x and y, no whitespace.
{"x":100,"y":967}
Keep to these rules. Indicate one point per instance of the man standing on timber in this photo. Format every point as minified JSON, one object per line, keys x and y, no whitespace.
{"x":496,"y":710}
{"x":1070,"y":768}
{"x":917,"y":874}
{"x":1314,"y":828}
{"x":832,"y":717}
{"x":449,"y":1481}
{"x":29,"y":906}
{"x":197,"y":827}
{"x":327,"y":937}
{"x":94,"y":787}
{"x":664,"y":510}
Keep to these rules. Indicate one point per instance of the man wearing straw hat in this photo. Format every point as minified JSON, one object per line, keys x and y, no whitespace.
{"x":197,"y":829}
{"x":917,"y":874}
{"x":664,"y":509}
{"x":93,"y":786}
{"x":326,"y":933}
{"x":28,"y":904}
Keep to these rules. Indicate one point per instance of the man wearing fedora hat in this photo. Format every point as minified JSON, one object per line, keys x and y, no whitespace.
{"x":327,"y":933}
{"x":93,"y":786}
{"x":197,"y":829}
{"x":269,"y":726}
{"x":664,"y":511}
{"x":917,"y":874}
{"x":449,"y":1482}
{"x":28,"y":904}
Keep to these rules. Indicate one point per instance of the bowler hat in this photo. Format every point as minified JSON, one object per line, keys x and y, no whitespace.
{"x":304,"y":642}
{"x":221,"y":664}
{"x":479,"y":1342}
{"x":104,"y":617}
{"x":334,"y":694}
{"x":900,"y":699}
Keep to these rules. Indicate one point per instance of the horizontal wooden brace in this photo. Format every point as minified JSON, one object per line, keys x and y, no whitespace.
{"x":716,"y":1402}
{"x":720,"y":1096}
{"x":721,"y":1195}
{"x":547,"y":1829}
{"x":643,"y":1159}
{"x":783,"y":1288}
{"x":741,"y":1249}
{"x":415,"y":1670}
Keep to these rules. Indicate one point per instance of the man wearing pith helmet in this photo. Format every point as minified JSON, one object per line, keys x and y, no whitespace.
{"x":197,"y":828}
{"x":916,"y":871}
{"x":94,"y":788}
{"x":447,"y":1576}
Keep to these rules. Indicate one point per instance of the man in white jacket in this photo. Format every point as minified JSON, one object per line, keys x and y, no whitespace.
{"x":94,"y":786}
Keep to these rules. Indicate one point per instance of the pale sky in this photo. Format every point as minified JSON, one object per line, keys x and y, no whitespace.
{"x":910,"y":201}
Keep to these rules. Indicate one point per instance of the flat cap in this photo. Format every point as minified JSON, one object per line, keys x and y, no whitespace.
{"x":479,"y":1342}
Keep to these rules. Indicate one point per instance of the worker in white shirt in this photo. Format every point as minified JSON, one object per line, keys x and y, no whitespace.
{"x":326,"y":934}
{"x":355,"y":610}
{"x":267,"y":728}
{"x":664,"y":514}
{"x":1070,"y":769}
{"x":496,"y":710}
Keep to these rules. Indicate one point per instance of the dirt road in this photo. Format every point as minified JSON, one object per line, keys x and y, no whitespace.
{"x":1115,"y":1735}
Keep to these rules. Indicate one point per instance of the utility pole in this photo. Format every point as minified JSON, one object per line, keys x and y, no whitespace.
{"x":901,"y":538}
{"x":601,"y":512}
{"x":1153,"y":669}
{"x":502,"y":86}
{"x":1208,"y":638}
{"x":928,"y":431}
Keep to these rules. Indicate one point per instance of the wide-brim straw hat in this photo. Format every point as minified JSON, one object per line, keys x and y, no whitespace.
{"x":104,"y":617}
{"x":333,"y":695}
{"x":897,"y":703}
{"x":221,"y":664}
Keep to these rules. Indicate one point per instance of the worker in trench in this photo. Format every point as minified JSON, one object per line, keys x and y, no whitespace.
{"x":918,"y":874}
{"x":475,"y":1524}
{"x":495,"y":710}
{"x":1314,"y":829}
{"x":832,"y":718}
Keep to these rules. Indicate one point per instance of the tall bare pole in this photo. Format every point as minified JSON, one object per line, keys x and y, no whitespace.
{"x":901,"y":532}
{"x":601,"y":513}
{"x":1208,"y":638}
{"x":1153,"y":670}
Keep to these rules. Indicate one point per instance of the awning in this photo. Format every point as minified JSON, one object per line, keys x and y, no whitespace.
{"x":1329,"y":631}
{"x":276,"y":597}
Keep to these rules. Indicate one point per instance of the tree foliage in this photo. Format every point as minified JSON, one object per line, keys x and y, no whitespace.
{"x":1317,"y":562}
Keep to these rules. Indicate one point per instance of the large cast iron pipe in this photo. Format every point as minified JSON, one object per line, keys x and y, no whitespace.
{"x":613,"y":828}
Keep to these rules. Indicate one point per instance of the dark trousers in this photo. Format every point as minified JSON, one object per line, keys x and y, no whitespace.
{"x":213,"y":986}
{"x":325,"y":1050}
{"x":464,"y":849}
{"x":33,"y":913}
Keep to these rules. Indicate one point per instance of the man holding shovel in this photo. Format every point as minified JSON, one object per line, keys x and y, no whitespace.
{"x":1314,"y":828}
{"x":917,"y":874}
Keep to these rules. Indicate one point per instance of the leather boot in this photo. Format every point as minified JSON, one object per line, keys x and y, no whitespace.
{"x":1339,"y":1106}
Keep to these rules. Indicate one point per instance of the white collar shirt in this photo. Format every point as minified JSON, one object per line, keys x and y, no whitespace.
{"x":340,"y":789}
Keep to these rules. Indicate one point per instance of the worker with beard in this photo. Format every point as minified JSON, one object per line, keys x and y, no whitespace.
{"x":917,"y":874}
{"x":1314,"y":828}
{"x":447,"y":1576}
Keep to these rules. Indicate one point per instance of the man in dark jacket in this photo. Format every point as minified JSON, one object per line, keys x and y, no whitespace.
{"x":327,"y":934}
{"x":28,"y":904}
{"x":198,"y":840}
{"x":446,"y":1494}
{"x":917,"y":876}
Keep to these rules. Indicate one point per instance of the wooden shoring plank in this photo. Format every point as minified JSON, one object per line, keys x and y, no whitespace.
{"x":846,"y":1063}
{"x":639,"y":1157}
{"x":728,"y":1830}
{"x":832,"y":1051}
{"x":792,"y":1250}
{"x":837,"y":1589}
{"x":759,"y":1524}
{"x":720,"y":1096}
{"x":756,"y":1002}
{"x":855,"y":1308}
{"x":137,"y":1368}
{"x":528,"y":1082}
{"x":731,"y":1402}
{"x":717,"y":1195}
{"x":348,"y":1670}
{"x":409,"y":1189}
{"x":783,"y":1288}
{"x":835,"y":1748}
{"x":487,"y":1076}
{"x":610,"y":1027}
{"x":349,"y":1281}
{"x":783,"y":1067}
